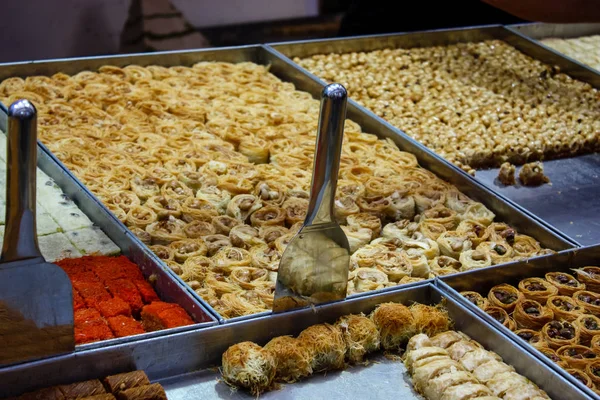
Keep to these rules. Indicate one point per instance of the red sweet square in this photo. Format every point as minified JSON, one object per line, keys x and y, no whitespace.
{"x":92,"y":332}
{"x":147,"y":291}
{"x":127,"y":291}
{"x":125,"y":326}
{"x":78,"y":302}
{"x":92,"y":292}
{"x":113,"y":307}
{"x":86,"y":316}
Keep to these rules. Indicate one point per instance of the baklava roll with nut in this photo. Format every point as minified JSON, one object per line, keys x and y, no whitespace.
{"x":590,"y":301}
{"x":402,"y":229}
{"x":187,"y":248}
{"x":249,"y":278}
{"x":500,"y":251}
{"x":500,"y":315}
{"x":270,"y":192}
{"x":474,"y":230}
{"x":452,"y":243}
{"x":215,"y":242}
{"x":589,"y":326}
{"x":357,"y":237}
{"x":166,"y":231}
{"x":365,"y":220}
{"x":295,"y":209}
{"x":144,"y":188}
{"x":504,"y":296}
{"x":268,"y":216}
{"x":576,"y":356}
{"x":537,"y":289}
{"x":529,"y":314}
{"x":590,"y":276}
{"x":473,"y":259}
{"x":566,"y":284}
{"x":217,"y":197}
{"x":477,"y":299}
{"x":431,"y":230}
{"x":444,"y":265}
{"x":140,"y":217}
{"x":229,"y":257}
{"x":533,"y":337}
{"x":126,"y":199}
{"x":479,"y":213}
{"x":224,"y":223}
{"x":245,"y":237}
{"x":400,"y":206}
{"x":164,"y":206}
{"x":368,"y":279}
{"x":264,"y":256}
{"x":525,"y":247}
{"x":242,"y":206}
{"x":443,"y":216}
{"x":198,"y":229}
{"x":560,"y":333}
{"x":194,"y":209}
{"x":344,"y":207}
{"x":271,"y":233}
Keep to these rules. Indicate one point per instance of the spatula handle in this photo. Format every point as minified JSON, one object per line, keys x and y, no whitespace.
{"x":327,"y":154}
{"x":20,"y":237}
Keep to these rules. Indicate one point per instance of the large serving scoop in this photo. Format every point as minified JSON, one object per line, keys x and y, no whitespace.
{"x":314,"y":266}
{"x":36,"y":305}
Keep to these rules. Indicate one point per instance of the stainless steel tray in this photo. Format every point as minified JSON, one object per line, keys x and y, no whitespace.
{"x":484,"y":279}
{"x":288,"y":71}
{"x":172,"y":360}
{"x":166,"y":287}
{"x":540,"y":31}
{"x":568,"y":175}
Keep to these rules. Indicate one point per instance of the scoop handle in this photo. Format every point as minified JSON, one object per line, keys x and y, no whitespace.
{"x":20,"y":237}
{"x":328,"y":152}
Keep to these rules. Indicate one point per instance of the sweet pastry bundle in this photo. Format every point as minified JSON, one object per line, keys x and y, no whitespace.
{"x":559,"y":315}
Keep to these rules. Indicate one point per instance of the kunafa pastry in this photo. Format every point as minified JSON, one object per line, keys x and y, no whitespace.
{"x":291,"y":357}
{"x":395,"y":323}
{"x":430,"y":320}
{"x":326,"y":346}
{"x":361,"y":336}
{"x":249,"y":366}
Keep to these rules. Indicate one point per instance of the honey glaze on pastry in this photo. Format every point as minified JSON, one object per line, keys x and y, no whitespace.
{"x":537,"y":289}
{"x":564,"y":308}
{"x":589,"y":326}
{"x":529,"y":314}
{"x":590,"y":301}
{"x":533,"y":337}
{"x":501,"y":316}
{"x":504,"y":296}
{"x":476,"y":299}
{"x":576,"y":356}
{"x":566,"y":284}
{"x":558,"y":334}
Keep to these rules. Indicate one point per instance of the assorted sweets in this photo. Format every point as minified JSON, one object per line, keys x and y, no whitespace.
{"x":558,"y":314}
{"x":210,"y":166}
{"x":63,"y":229}
{"x":111,"y":299}
{"x":476,"y":104}
{"x":126,"y":386}
{"x":443,"y":364}
{"x":585,"y":49}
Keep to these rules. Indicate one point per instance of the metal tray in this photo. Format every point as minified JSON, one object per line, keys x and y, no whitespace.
{"x":166,"y":287}
{"x":172,"y":360}
{"x":562,"y":205}
{"x":286,"y":70}
{"x":540,"y":31}
{"x":484,"y":279}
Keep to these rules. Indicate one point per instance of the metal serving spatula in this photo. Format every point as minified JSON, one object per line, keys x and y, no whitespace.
{"x":36,"y":305}
{"x":314,"y":266}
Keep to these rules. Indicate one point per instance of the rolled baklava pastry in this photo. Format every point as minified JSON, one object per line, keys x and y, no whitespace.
{"x":476,"y":299}
{"x":249,"y":366}
{"x":551,"y":354}
{"x":402,"y":229}
{"x":292,"y":359}
{"x":419,"y":262}
{"x":326,"y":346}
{"x":229,"y":257}
{"x":164,"y":206}
{"x":374,"y":205}
{"x":499,"y":231}
{"x":529,"y":314}
{"x":266,"y":257}
{"x":426,"y":198}
{"x":118,"y":383}
{"x":271,"y":192}
{"x":500,"y":251}
{"x":195,"y":180}
{"x":595,"y":343}
{"x":250,"y":278}
{"x":431,"y":230}
{"x":593,"y":371}
{"x":525,"y":247}
{"x":395,"y":264}
{"x":344,"y":207}
{"x":457,"y":201}
{"x":537,"y":289}
{"x":564,"y":308}
{"x":369,"y":279}
{"x":365,"y":256}
{"x":245,"y":237}
{"x":452,"y":243}
{"x":444,"y":265}
{"x":194,"y":209}
{"x":242,"y":206}
{"x":165,"y":253}
{"x":430,"y":320}
{"x":224,"y":223}
{"x":361,"y":336}
{"x":447,"y":339}
{"x":436,"y":387}
{"x":267,"y":216}
{"x":577,"y":356}
{"x":533,"y":337}
{"x":474,"y":230}
{"x":505,"y":381}
{"x":566,"y":284}
{"x":395,"y":323}
{"x":166,"y":231}
{"x":504,"y":296}
{"x":464,"y":391}
{"x":215,"y":196}
{"x":475,"y":358}
{"x":269,"y":234}
{"x":581,"y":376}
{"x":424,"y":355}
{"x":177,"y":190}
{"x":424,"y":373}
{"x":500,"y":315}
{"x":295,"y":209}
{"x":418,"y":341}
{"x":474,"y":259}
{"x":590,"y":277}
{"x":590,"y":301}
{"x":153,"y":391}
{"x":357,"y":237}
{"x":142,"y":235}
{"x":458,"y":349}
{"x":589,"y":326}
{"x":215,"y":242}
{"x":488,"y":370}
{"x":364,"y":220}
{"x":187,"y":248}
{"x":560,"y":333}
{"x":479,"y":213}
{"x":144,"y":188}
{"x":197,"y":229}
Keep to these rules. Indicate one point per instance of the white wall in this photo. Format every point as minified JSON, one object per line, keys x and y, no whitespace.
{"x":41,"y":29}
